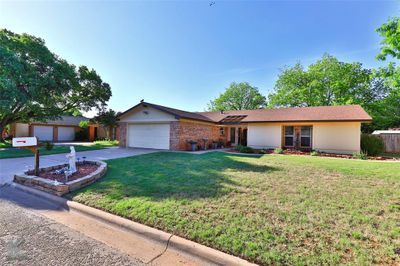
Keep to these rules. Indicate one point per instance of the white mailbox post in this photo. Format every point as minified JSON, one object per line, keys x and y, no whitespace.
{"x":31,"y":144}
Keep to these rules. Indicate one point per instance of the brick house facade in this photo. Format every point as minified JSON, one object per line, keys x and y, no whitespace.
{"x":182,"y":132}
{"x":333,"y":129}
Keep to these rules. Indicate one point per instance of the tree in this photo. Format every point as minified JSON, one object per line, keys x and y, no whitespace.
{"x":326,"y":82}
{"x":390,"y":47}
{"x":331,"y":82}
{"x":108,"y":119}
{"x":238,"y":96}
{"x":37,"y":84}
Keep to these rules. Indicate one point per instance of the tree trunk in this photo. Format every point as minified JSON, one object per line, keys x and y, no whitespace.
{"x":1,"y":133}
{"x":107,"y":133}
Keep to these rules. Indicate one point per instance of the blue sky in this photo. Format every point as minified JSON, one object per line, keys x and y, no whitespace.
{"x":183,"y":54}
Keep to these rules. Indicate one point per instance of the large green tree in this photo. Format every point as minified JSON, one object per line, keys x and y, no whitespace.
{"x":325,"y":82}
{"x":390,"y":49}
{"x":108,"y":119}
{"x":331,"y":82}
{"x":36,"y":84}
{"x":238,"y":96}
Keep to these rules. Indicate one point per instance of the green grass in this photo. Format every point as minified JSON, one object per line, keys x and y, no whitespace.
{"x":17,"y":152}
{"x":279,"y":210}
{"x":5,"y":144}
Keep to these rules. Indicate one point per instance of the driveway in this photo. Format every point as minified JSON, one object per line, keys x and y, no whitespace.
{"x":11,"y":166}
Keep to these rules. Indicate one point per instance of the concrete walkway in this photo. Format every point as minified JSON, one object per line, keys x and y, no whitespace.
{"x":11,"y":166}
{"x":48,"y":229}
{"x":28,"y":238}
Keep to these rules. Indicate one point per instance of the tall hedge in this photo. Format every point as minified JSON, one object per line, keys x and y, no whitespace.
{"x":372,"y":145}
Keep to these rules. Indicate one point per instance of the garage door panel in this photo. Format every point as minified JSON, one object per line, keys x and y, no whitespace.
{"x":66,"y":133}
{"x":153,"y":136}
{"x":43,"y":133}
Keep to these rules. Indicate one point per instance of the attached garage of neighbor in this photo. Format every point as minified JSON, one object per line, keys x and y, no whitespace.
{"x":53,"y":133}
{"x":62,"y":129}
{"x":43,"y":133}
{"x":66,"y":133}
{"x":153,"y":136}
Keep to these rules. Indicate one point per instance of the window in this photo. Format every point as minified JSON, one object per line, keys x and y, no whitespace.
{"x":233,"y":133}
{"x":305,"y":136}
{"x":289,"y":136}
{"x":222,"y":131}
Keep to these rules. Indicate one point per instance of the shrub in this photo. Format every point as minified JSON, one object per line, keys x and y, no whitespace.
{"x":314,"y":153}
{"x":48,"y":145}
{"x":221,"y":143}
{"x":278,"y":151}
{"x":106,"y":142}
{"x":372,"y":145}
{"x":360,"y":155}
{"x":82,"y":134}
{"x":244,"y":149}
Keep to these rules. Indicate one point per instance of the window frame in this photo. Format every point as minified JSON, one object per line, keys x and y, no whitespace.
{"x":222,"y":131}
{"x":306,"y":136}
{"x":285,"y":135}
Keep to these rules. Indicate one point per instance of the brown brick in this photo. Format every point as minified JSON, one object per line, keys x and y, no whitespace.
{"x":182,"y":132}
{"x":122,"y":134}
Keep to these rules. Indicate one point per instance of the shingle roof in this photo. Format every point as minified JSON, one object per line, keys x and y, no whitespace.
{"x":296,"y":114}
{"x":176,"y":112}
{"x":67,"y":120}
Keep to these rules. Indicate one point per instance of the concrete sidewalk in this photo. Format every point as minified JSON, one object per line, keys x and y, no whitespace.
{"x":11,"y":166}
{"x":29,"y":238}
{"x":122,"y":242}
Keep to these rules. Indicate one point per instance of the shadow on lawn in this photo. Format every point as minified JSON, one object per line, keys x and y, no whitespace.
{"x":174,"y":175}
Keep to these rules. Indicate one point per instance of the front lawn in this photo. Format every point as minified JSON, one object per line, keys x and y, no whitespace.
{"x":16,"y":152}
{"x":279,"y":210}
{"x":5,"y":144}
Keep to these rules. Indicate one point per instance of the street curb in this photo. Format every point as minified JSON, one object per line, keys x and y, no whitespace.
{"x":174,"y":242}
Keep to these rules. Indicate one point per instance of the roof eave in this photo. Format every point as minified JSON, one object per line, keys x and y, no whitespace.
{"x":307,"y":121}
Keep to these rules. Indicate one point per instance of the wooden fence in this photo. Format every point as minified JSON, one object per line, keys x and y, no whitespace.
{"x":392,"y":141}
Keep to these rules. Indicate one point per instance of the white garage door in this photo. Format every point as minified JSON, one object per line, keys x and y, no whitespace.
{"x":66,"y":133}
{"x":43,"y":132}
{"x":153,"y":136}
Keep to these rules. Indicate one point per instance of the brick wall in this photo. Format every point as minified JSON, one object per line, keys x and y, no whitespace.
{"x":174,"y":135}
{"x":122,"y":134}
{"x":181,"y":132}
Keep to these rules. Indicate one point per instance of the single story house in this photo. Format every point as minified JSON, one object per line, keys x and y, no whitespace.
{"x":334,"y":129}
{"x":58,"y":130}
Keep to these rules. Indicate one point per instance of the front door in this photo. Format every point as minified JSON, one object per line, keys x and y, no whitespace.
{"x":232,"y":137}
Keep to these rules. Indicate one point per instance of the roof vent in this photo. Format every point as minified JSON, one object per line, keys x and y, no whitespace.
{"x":222,"y":112}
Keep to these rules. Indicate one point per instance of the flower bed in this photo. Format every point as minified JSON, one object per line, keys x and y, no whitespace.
{"x":56,"y":183}
{"x":322,"y":154}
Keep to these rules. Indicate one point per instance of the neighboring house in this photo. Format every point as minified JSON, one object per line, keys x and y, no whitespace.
{"x":327,"y":128}
{"x":62,"y":129}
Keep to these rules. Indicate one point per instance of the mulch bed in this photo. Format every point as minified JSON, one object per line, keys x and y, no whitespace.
{"x":322,"y":154}
{"x":82,"y":170}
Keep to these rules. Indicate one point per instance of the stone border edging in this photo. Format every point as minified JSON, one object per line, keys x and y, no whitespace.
{"x":28,"y":178}
{"x":175,"y":242}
